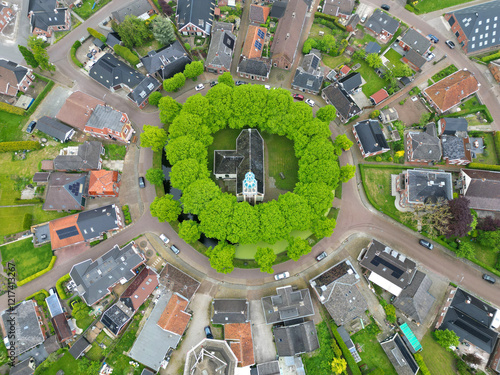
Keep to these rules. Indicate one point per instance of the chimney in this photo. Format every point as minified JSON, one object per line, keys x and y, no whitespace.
{"x":468,"y":300}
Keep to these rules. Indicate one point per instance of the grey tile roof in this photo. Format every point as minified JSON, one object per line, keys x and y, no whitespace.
{"x":296,"y":339}
{"x":452,"y":125}
{"x":221,"y":49}
{"x":268,"y":368}
{"x":372,"y":47}
{"x":334,"y":7}
{"x":482,"y":189}
{"x":41,"y":352}
{"x":351,"y":82}
{"x":79,"y":347}
{"x":371,"y":136}
{"x":257,"y":14}
{"x":415,"y":300}
{"x":135,"y":8}
{"x":399,"y":355}
{"x":41,"y":177}
{"x":54,"y":128}
{"x":416,"y":41}
{"x":425,"y":145}
{"x":167,"y":61}
{"x":278,"y":9}
{"x":94,"y":279}
{"x":307,"y":81}
{"x":46,"y":13}
{"x":18,"y":70}
{"x":227,"y":311}
{"x":339,"y":98}
{"x":66,"y":191}
{"x":228,"y":26}
{"x":455,"y":147}
{"x":287,"y":304}
{"x":106,"y":117}
{"x":94,"y":222}
{"x":380,"y":20}
{"x":25,"y":367}
{"x":213,"y":356}
{"x":259,"y":67}
{"x":415,"y":58}
{"x":110,"y":72}
{"x":480,"y":23}
{"x":113,"y":39}
{"x":142,"y":91}
{"x":197,"y":12}
{"x":88,"y":157}
{"x":427,"y":185}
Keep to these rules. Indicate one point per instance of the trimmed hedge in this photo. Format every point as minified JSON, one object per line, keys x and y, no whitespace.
{"x":351,"y":363}
{"x":60,"y":288}
{"x":491,"y":57}
{"x":96,"y":34}
{"x":478,"y":108}
{"x":489,"y":167}
{"x":333,"y":19}
{"x":496,"y":137}
{"x":27,"y":221}
{"x":4,"y":107}
{"x":423,"y":367}
{"x":38,"y":274}
{"x":75,"y":46}
{"x":41,"y":291}
{"x":19,"y":145}
{"x":127,"y":54}
{"x":42,"y":95}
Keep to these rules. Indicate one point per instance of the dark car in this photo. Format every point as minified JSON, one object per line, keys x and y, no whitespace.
{"x":433,"y":38}
{"x":488,"y":278}
{"x":213,"y":83}
{"x":450,"y":44}
{"x":174,"y":249}
{"x":385,"y":7}
{"x":239,"y":83}
{"x":142,"y":182}
{"x":208,"y":333}
{"x":321,"y":256}
{"x":298,"y":97}
{"x":426,"y":244}
{"x":31,"y":127}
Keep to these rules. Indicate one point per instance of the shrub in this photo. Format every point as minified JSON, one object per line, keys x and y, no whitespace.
{"x":127,"y":54}
{"x":4,"y":107}
{"x":491,"y":57}
{"x":187,"y":46}
{"x":96,"y":34}
{"x":497,"y":142}
{"x":38,"y":274}
{"x":489,"y":167}
{"x":28,"y":219}
{"x":347,"y":354}
{"x":19,"y":145}
{"x":154,"y":98}
{"x":423,"y":367}
{"x":74,"y":59}
{"x":60,"y":288}
{"x":409,"y":8}
{"x":378,"y":158}
{"x":375,"y":114}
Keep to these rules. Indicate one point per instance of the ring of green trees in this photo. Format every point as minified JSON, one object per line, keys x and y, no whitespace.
{"x":220,"y":215}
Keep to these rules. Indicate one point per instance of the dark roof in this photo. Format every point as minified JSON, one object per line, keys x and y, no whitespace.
{"x":178,"y":282}
{"x":405,"y":81}
{"x":415,"y":58}
{"x":278,"y":9}
{"x":482,"y":189}
{"x":372,"y":47}
{"x":339,"y":98}
{"x":18,"y":70}
{"x":135,"y":8}
{"x":230,"y":311}
{"x":167,"y":61}
{"x":78,"y":348}
{"x":475,"y":21}
{"x":371,"y":136}
{"x":142,"y":91}
{"x":416,"y":41}
{"x":221,"y":49}
{"x":106,"y":117}
{"x":98,"y":43}
{"x":334,"y":7}
{"x":258,"y":66}
{"x":351,"y":82}
{"x":353,"y":20}
{"x":110,"y":72}
{"x":455,"y":148}
{"x":307,"y":81}
{"x":45,"y":15}
{"x":428,"y":185}
{"x":345,"y":337}
{"x":415,"y":300}
{"x":100,"y":220}
{"x":399,"y":355}
{"x":61,"y":327}
{"x":116,"y":317}
{"x":287,"y":304}
{"x":425,"y":145}
{"x":140,"y":289}
{"x":268,"y":368}
{"x":41,"y":176}
{"x":470,"y":318}
{"x":197,"y":12}
{"x":296,"y":339}
{"x":87,"y":157}
{"x":53,"y":128}
{"x":23,"y":368}
{"x":382,"y":21}
{"x":113,"y":39}
{"x":452,"y":125}
{"x":66,"y":191}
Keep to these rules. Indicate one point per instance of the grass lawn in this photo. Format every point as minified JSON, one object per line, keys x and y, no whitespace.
{"x":373,"y":81}
{"x":372,"y":355}
{"x":365,"y":38}
{"x":66,"y":363}
{"x":393,"y":56}
{"x":28,"y":259}
{"x":426,"y":6}
{"x":147,"y":47}
{"x":115,"y":152}
{"x":470,"y":103}
{"x":491,"y":156}
{"x":437,"y":359}
{"x":333,"y":62}
{"x":486,"y":254}
{"x":281,"y":159}
{"x":318,"y":362}
{"x":85,"y":11}
{"x":11,"y":129}
{"x":316,"y":28}
{"x":450,"y":69}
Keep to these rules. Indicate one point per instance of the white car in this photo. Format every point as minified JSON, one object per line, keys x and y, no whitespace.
{"x":164,"y":239}
{"x":281,"y":276}
{"x":430,"y":56}
{"x":310,"y":102}
{"x":363,"y":19}
{"x":201,"y":86}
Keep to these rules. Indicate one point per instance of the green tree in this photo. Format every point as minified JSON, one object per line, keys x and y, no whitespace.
{"x":490,"y":239}
{"x":198,"y":194}
{"x":163,"y":30}
{"x":155,"y":176}
{"x":244,"y":226}
{"x":374,"y":60}
{"x":28,"y":56}
{"x":446,"y":338}
{"x":248,"y":101}
{"x":174,"y":83}
{"x":309,"y":44}
{"x":326,"y":113}
{"x":359,"y":54}
{"x":343,"y":142}
{"x":194,"y":69}
{"x":424,"y":118}
{"x":185,"y":147}
{"x":165,"y":208}
{"x":221,"y":257}
{"x":187,"y":171}
{"x":339,"y":365}
{"x":133,"y":31}
{"x":323,"y":226}
{"x":189,"y":231}
{"x":37,"y":47}
{"x":347,"y":172}
{"x":215,"y":217}
{"x":200,"y":106}
{"x":187,"y":124}
{"x":265,"y":258}
{"x":402,"y":70}
{"x":154,"y":98}
{"x":272,"y":222}
{"x":169,"y":109}
{"x":297,"y":247}
{"x":375,"y":114}
{"x":318,"y":195}
{"x":226,"y":78}
{"x":153,"y":137}
{"x":390,"y":312}
{"x":278,"y":103}
{"x":326,"y":171}
{"x":465,"y":250}
{"x":220,"y":102}
{"x":296,"y":211}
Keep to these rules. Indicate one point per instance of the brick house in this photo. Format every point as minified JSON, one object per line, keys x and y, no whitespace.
{"x":258,"y":13}
{"x":419,"y":186}
{"x":108,"y":123}
{"x":103,"y":183}
{"x":370,"y":138}
{"x":195,"y":17}
{"x":14,"y":78}
{"x":414,"y":60}
{"x":480,"y":187}
{"x":416,"y":41}
{"x":309,"y":75}
{"x":380,"y":23}
{"x":46,"y":17}
{"x":6,"y":14}
{"x":220,"y":53}
{"x":251,"y":64}
{"x":346,"y":107}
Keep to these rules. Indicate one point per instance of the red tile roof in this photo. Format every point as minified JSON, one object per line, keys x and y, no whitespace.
{"x":103,"y":182}
{"x":62,"y":223}
{"x":241,"y":342}
{"x":174,"y":318}
{"x":77,"y":109}
{"x":495,"y":70}
{"x":379,"y":96}
{"x":345,"y":69}
{"x":249,"y":50}
{"x":140,"y":289}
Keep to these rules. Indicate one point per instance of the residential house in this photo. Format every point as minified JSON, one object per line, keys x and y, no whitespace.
{"x":415,"y":301}
{"x":46,"y":17}
{"x":457,"y":126}
{"x":309,"y":75}
{"x":178,"y":282}
{"x":474,"y":321}
{"x":195,"y":17}
{"x":6,"y":14}
{"x":423,"y":147}
{"x":382,"y":24}
{"x":287,"y":304}
{"x":240,"y":340}
{"x":388,"y":115}
{"x":84,"y":157}
{"x":21,"y":327}
{"x":494,"y":68}
{"x":417,"y":187}
{"x":450,"y":91}
{"x":251,"y":64}
{"x":346,"y":107}
{"x":220,"y":53}
{"x":258,"y":13}
{"x":390,"y":270}
{"x":481,"y":188}
{"x":399,"y":355}
{"x":337,"y":289}
{"x":55,"y":129}
{"x":116,"y":318}
{"x":456,"y":150}
{"x":370,"y":138}
{"x":379,"y":96}
{"x":66,"y":192}
{"x":288,"y":32}
{"x":348,"y":343}
{"x":278,"y":9}
{"x":110,"y":124}
{"x":296,"y":339}
{"x":140,"y":94}
{"x":211,"y":354}
{"x":142,"y":9}
{"x":338,"y":8}
{"x":475,"y":27}
{"x":351,"y":82}
{"x":414,"y":40}
{"x":95,"y":279}
{"x":77,"y":109}
{"x":41,"y":178}
{"x":114,"y":74}
{"x":372,"y":47}
{"x":226,"y":311}
{"x":14,"y":78}
{"x":414,"y":60}
{"x":103,"y":183}
{"x":494,"y":361}
{"x":352,"y":23}
{"x":26,"y":367}
{"x":112,"y":39}
{"x":80,"y":347}
{"x":167,"y":61}
{"x":61,"y":326}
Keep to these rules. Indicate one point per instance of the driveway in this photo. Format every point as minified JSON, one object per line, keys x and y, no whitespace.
{"x":263,"y":347}
{"x":53,"y":102}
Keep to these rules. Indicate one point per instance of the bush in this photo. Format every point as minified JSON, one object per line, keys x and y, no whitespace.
{"x":378,"y":158}
{"x":127,"y":54}
{"x":38,"y":274}
{"x":187,"y":46}
{"x":375,"y":114}
{"x":43,"y":294}
{"x":19,"y":145}
{"x":491,"y":57}
{"x":60,"y":288}
{"x":74,"y":59}
{"x":27,"y":221}
{"x":489,"y":167}
{"x":96,"y":34}
{"x":423,"y":367}
{"x":409,"y":8}
{"x":4,"y":107}
{"x":497,"y":142}
{"x":473,"y":110}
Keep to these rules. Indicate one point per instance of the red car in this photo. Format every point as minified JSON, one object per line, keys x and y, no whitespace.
{"x":298,"y":96}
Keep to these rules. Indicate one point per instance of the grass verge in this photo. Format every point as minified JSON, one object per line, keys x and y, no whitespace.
{"x":85,"y":11}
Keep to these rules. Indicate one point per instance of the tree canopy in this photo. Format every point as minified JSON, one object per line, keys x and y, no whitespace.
{"x":189,"y":231}
{"x":221,"y":257}
{"x":265,"y":258}
{"x":133,"y":31}
{"x":155,"y":176}
{"x":153,"y":137}
{"x":446,"y":338}
{"x":169,"y":109}
{"x":165,"y":208}
{"x":163,"y":30}
{"x":297,"y":247}
{"x":174,"y":83}
{"x":194,"y":69}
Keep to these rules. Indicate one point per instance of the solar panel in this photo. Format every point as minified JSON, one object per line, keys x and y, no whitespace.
{"x":228,"y":41}
{"x":315,"y":62}
{"x":396,"y":272}
{"x":67,"y":232}
{"x":261,"y":34}
{"x":258,"y":45}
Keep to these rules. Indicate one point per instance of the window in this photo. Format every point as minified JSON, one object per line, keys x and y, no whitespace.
{"x":457,"y":34}
{"x":451,"y":21}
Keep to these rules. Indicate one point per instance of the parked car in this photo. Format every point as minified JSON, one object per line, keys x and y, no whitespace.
{"x":164,"y":239}
{"x":281,"y":276}
{"x":199,"y":87}
{"x":430,"y":56}
{"x":433,"y":38}
{"x":239,"y":83}
{"x":298,"y":97}
{"x":208,"y":333}
{"x":489,"y":279}
{"x":450,"y":44}
{"x":363,"y":19}
{"x":213,"y":83}
{"x":310,"y":102}
{"x":321,"y":256}
{"x":31,"y":127}
{"x":142,"y":182}
{"x":175,"y":250}
{"x":426,"y":244}
{"x":385,"y":7}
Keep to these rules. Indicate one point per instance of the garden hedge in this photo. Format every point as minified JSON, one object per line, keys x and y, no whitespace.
{"x":60,"y":288}
{"x":351,"y":363}
{"x":19,"y":145}
{"x":465,"y":112}
{"x":423,"y":367}
{"x":489,"y":167}
{"x":491,"y":57}
{"x":38,"y":274}
{"x":127,"y":54}
{"x":4,"y":107}
{"x":75,"y":46}
{"x":96,"y":34}
{"x":41,"y":291}
{"x":40,"y":96}
{"x":496,"y":137}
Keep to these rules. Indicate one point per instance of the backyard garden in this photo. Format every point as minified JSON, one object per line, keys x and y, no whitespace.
{"x":27,"y":258}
